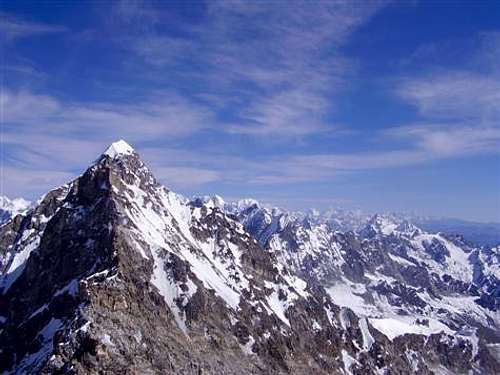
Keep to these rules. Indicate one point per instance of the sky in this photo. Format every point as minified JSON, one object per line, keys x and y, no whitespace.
{"x":374,"y":105}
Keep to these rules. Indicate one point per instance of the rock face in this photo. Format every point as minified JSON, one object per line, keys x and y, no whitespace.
{"x":114,"y":274}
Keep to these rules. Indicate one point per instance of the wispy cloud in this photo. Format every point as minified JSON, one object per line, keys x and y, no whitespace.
{"x":292,"y":113}
{"x":424,"y":144}
{"x":195,"y":167}
{"x":186,"y":177}
{"x":36,"y":163}
{"x":162,"y":115}
{"x":135,"y":11}
{"x":25,"y":70}
{"x":459,"y":110}
{"x":44,"y":133}
{"x":444,"y":141}
{"x":454,"y":95}
{"x":275,"y":65}
{"x":12,"y":28}
{"x":272,"y":66}
{"x":467,"y":93}
{"x":239,"y":94}
{"x":31,"y":182}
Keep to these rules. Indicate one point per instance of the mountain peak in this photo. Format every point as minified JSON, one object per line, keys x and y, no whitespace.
{"x":119,"y":148}
{"x":11,"y":207}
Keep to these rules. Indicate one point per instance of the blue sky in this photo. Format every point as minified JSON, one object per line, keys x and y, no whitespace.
{"x":383,"y":106}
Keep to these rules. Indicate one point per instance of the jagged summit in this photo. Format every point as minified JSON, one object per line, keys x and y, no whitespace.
{"x":119,"y":148}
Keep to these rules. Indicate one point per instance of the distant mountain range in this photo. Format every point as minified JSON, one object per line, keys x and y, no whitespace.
{"x":487,"y":234}
{"x":114,"y":273}
{"x":478,"y":233}
{"x":12,"y":207}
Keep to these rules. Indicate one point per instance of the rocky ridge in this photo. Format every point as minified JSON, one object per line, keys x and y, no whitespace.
{"x":113,"y":273}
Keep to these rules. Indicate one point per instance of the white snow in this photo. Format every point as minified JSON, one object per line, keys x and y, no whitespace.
{"x":162,"y":222}
{"x":383,"y":224}
{"x":348,"y":361}
{"x":330,"y":316}
{"x":247,"y":348}
{"x":169,"y":290}
{"x":348,"y":294}
{"x":118,"y":148}
{"x":312,"y":240}
{"x":278,"y":307}
{"x":381,"y":315}
{"x":85,"y":327}
{"x":368,"y":339}
{"x":392,"y":327}
{"x":24,"y":246}
{"x":18,"y":263}
{"x":106,"y":340}
{"x":14,"y":206}
{"x":387,"y":227}
{"x":23,"y":255}
{"x":456,"y":264}
{"x":462,"y":305}
{"x":213,"y":201}
{"x":491,"y":262}
{"x":316,"y":326}
{"x":400,"y":260}
{"x":344,"y":319}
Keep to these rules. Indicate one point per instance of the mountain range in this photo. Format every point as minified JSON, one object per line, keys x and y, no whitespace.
{"x":114,"y":273}
{"x":478,"y":233}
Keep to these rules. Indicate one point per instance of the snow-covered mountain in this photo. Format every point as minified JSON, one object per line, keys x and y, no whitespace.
{"x":480,"y":234}
{"x":400,"y":277}
{"x":12,"y":207}
{"x":483,"y":234}
{"x":114,"y":273}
